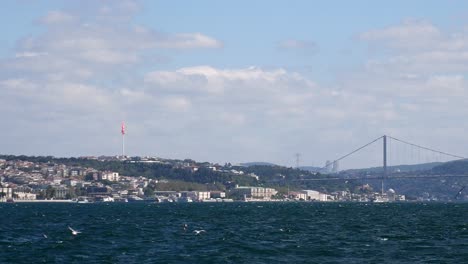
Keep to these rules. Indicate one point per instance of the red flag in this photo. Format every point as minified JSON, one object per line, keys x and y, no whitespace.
{"x":123,"y":128}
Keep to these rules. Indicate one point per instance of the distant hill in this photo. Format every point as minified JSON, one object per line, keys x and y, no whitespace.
{"x":257,"y":163}
{"x":181,"y":176}
{"x":430,"y":188}
{"x":452,"y":167}
{"x":311,"y":168}
{"x":284,"y":178}
{"x":399,"y":168}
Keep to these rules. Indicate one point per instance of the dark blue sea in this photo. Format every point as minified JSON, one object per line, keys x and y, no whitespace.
{"x":234,"y":233}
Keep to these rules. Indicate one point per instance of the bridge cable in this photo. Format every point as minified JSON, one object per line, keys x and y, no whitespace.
{"x":429,"y":149}
{"x":356,"y":150}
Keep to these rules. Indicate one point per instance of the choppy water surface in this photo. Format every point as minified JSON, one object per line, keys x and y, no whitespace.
{"x":235,"y":233}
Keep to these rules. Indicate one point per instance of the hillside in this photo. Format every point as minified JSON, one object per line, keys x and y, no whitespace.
{"x":452,"y":167}
{"x":397,"y":168}
{"x":440,"y":188}
{"x":257,"y":163}
{"x":189,"y":171}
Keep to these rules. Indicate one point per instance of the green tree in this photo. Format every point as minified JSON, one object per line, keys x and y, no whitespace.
{"x":50,"y":192}
{"x":149,"y":192}
{"x":89,"y":177}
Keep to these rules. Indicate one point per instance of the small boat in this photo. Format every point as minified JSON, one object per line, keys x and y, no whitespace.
{"x":121,"y":200}
{"x":185,"y":200}
{"x":381,"y":200}
{"x":105,"y":199}
{"x":134,"y":198}
{"x":82,"y":200}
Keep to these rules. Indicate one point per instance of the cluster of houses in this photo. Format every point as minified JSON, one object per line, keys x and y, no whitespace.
{"x":27,"y":181}
{"x":347,"y":196}
{"x":36,"y":181}
{"x":191,"y":196}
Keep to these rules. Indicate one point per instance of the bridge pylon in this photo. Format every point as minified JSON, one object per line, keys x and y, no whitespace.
{"x":384,"y":175}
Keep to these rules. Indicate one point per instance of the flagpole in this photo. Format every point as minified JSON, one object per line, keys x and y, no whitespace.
{"x":122,"y":130}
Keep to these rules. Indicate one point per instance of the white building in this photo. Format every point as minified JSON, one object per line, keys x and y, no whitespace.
{"x":70,"y":182}
{"x":255,"y":192}
{"x":316,"y":196}
{"x":25,"y":196}
{"x":109,"y":176}
{"x":6,"y":193}
{"x":217,"y":194}
{"x":298,"y":195}
{"x":200,"y":196}
{"x":61,"y":192}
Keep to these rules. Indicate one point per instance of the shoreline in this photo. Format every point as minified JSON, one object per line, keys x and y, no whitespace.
{"x":39,"y":201}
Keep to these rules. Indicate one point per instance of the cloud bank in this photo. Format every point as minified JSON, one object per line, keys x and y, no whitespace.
{"x":65,"y":91}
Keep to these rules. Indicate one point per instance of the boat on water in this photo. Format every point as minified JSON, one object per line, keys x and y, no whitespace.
{"x":216,"y":200}
{"x":380,"y":199}
{"x":82,"y":200}
{"x":163,"y":200}
{"x":104,"y":199}
{"x":134,"y":198}
{"x":185,"y":200}
{"x":121,"y":200}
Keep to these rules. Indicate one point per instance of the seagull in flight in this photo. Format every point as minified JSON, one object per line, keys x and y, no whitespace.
{"x":74,"y":232}
{"x":197,"y":232}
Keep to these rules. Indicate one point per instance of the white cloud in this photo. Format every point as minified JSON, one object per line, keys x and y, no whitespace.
{"x":57,"y":17}
{"x":27,"y":54}
{"x":189,"y":41}
{"x":73,"y":84}
{"x":407,"y":30}
{"x":212,"y":80}
{"x":422,"y":72}
{"x":108,"y":56}
{"x":177,"y":104}
{"x":82,"y":66}
{"x":300,"y":46}
{"x":447,"y":85}
{"x":423,"y":39}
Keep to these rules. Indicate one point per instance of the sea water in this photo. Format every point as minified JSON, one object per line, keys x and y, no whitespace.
{"x":234,"y":233}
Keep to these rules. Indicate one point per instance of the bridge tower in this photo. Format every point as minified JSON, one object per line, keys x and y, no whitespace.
{"x":384,"y":176}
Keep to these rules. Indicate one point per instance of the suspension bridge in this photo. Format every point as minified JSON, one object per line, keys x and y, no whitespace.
{"x":419,"y":159}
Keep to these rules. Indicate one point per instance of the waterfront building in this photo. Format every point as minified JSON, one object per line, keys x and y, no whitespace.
{"x":93,"y":191}
{"x":61,"y":192}
{"x":25,"y":196}
{"x":200,"y":196}
{"x":298,"y":195}
{"x":6,"y":193}
{"x":217,"y":194}
{"x":255,"y":192}
{"x":312,"y":195}
{"x":394,"y":197}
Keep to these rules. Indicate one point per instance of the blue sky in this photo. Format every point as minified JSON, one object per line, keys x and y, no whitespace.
{"x":252,"y":29}
{"x":232,"y":81}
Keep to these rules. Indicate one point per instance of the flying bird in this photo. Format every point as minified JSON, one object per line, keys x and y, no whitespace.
{"x":197,"y":232}
{"x":74,"y":232}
